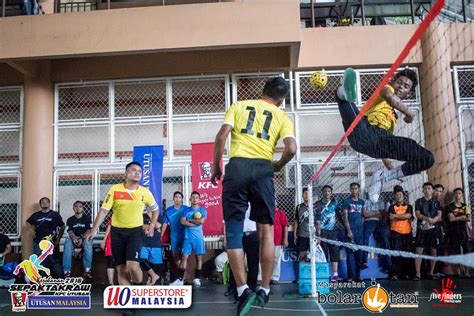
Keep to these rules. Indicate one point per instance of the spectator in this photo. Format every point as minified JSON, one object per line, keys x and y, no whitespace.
{"x":442,"y":226}
{"x":48,"y":224}
{"x":428,"y":213}
{"x":459,"y":214}
{"x":280,"y":237}
{"x":106,"y":245}
{"x":151,"y":257}
{"x":77,"y":225}
{"x":172,"y":221}
{"x":353,"y":209}
{"x":220,"y":262}
{"x":193,"y":218}
{"x":327,"y":213}
{"x":5,"y":248}
{"x":401,"y":215}
{"x":375,"y":223}
{"x":438,"y":193}
{"x":301,"y":227}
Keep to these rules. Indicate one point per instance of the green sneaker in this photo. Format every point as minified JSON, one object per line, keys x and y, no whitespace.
{"x":349,"y":84}
{"x":245,"y":302}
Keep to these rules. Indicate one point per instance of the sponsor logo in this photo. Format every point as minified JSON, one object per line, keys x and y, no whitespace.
{"x":166,"y":297}
{"x":374,"y":299}
{"x":46,"y":292}
{"x":446,"y":297}
{"x":18,"y":301}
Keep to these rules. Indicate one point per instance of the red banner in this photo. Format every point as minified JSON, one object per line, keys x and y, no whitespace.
{"x":211,"y":196}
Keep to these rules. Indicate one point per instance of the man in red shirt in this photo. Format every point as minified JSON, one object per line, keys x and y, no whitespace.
{"x":280,"y":238}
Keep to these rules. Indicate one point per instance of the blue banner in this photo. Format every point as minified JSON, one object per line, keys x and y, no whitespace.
{"x":151,"y":159}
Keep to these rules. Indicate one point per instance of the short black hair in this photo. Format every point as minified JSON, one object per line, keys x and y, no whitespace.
{"x":327,"y":186}
{"x":458,"y":189}
{"x":136,"y":163}
{"x":178,"y":192}
{"x":44,"y":198}
{"x":428,"y":184}
{"x":80,"y":202}
{"x":276,"y":88}
{"x":305,"y":190}
{"x":398,"y":188}
{"x":354,"y":183}
{"x":195,"y":192}
{"x":410,"y":74}
{"x":438,"y":185}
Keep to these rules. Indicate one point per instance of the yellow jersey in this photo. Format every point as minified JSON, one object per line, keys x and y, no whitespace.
{"x":128,"y":206}
{"x":381,"y":114}
{"x":257,"y":127}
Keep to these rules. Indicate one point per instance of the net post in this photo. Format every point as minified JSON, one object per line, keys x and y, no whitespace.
{"x":312,"y":240}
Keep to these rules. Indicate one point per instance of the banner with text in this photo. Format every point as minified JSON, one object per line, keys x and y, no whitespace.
{"x":211,"y":196}
{"x":151,"y":159}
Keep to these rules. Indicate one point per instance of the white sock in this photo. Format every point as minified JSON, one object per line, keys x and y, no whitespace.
{"x":340,"y":93}
{"x":335,"y":274}
{"x":88,"y":269}
{"x":267,"y":291}
{"x":241,"y":289}
{"x":395,"y":173}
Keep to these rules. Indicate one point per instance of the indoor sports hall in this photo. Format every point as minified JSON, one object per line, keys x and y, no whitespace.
{"x":374,"y":204}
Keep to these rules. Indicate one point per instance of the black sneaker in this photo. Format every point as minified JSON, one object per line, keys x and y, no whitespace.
{"x":262,"y":298}
{"x":245,"y":302}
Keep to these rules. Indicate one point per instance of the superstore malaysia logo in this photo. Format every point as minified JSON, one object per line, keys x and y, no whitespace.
{"x":171,"y":297}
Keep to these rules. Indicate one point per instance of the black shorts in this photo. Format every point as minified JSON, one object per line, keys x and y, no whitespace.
{"x":247,"y":181}
{"x":402,"y":242}
{"x":126,"y":244}
{"x":110,"y":262}
{"x":302,"y":243}
{"x":331,"y":251}
{"x":427,"y":238}
{"x":458,"y":241}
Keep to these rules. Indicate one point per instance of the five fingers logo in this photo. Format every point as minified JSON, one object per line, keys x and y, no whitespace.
{"x":446,"y":293}
{"x":375,"y":299}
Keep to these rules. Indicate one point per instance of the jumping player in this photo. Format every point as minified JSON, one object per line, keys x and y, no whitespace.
{"x":373,"y":136}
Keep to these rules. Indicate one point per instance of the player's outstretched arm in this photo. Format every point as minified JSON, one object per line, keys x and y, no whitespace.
{"x":288,"y":153}
{"x":397,"y":103}
{"x":98,"y":220}
{"x":219,"y":144}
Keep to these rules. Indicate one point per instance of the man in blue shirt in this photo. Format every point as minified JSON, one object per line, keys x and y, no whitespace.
{"x":172,"y":218}
{"x":328,"y":214}
{"x":354,"y":208}
{"x":193,"y":218}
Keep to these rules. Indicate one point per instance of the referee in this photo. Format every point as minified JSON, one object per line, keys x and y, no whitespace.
{"x":256,"y":127}
{"x":128,"y":201}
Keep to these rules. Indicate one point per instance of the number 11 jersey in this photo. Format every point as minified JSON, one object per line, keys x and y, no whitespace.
{"x":257,"y":127}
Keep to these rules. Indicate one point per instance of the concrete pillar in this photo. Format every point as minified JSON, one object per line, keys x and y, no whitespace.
{"x":439,"y":109}
{"x":38,"y":133}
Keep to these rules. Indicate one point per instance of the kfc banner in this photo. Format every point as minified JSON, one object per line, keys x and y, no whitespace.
{"x":211,"y":196}
{"x":151,"y":159}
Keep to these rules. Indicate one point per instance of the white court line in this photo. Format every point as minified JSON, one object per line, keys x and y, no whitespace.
{"x":321,"y":308}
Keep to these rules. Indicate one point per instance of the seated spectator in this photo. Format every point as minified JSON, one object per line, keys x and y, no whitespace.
{"x":151,"y":257}
{"x":428,"y":213}
{"x":106,"y":245}
{"x":401,"y":215}
{"x":220,"y":262}
{"x":459,"y":214}
{"x":327,"y":213}
{"x":5,"y":248}
{"x":77,"y":225}
{"x":280,"y":238}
